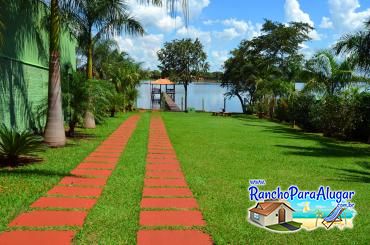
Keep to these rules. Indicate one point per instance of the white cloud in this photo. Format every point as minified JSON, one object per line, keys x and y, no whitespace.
{"x":237,"y":28}
{"x":326,"y":23}
{"x":154,"y":16}
{"x":193,"y":33}
{"x":238,"y":25}
{"x":293,"y":12}
{"x":227,"y":34}
{"x":197,"y":6}
{"x":346,"y":15}
{"x":142,"y":49}
{"x":217,"y":59}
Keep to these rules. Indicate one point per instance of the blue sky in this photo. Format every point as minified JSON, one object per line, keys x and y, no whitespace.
{"x":221,"y":25}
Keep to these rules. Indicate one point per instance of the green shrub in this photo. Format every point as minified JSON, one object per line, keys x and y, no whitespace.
{"x":303,"y":109}
{"x":75,"y":100}
{"x":282,"y":110}
{"x":15,"y":144}
{"x":361,"y":129}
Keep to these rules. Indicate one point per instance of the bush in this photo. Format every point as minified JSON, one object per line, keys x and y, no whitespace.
{"x":75,"y":100}
{"x":15,"y":144}
{"x":282,"y":111}
{"x":303,"y":109}
{"x":361,"y":130}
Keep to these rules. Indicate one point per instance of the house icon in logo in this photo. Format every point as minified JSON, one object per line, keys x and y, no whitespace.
{"x":271,"y":212}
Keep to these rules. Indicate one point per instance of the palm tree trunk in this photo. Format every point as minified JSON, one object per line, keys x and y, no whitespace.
{"x":90,"y":59}
{"x":54,"y":130}
{"x":186,"y":96}
{"x":89,"y":120}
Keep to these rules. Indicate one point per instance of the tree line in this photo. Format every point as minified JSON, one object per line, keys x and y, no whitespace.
{"x":263,"y":72}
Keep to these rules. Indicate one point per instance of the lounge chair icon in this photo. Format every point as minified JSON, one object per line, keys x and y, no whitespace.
{"x":334,"y":216}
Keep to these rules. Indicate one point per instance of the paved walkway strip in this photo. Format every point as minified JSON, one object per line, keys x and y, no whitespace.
{"x":169,"y":212}
{"x":66,"y":205}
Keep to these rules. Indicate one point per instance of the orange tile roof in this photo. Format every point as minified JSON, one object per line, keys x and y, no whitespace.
{"x":162,"y":82}
{"x":266,"y":208}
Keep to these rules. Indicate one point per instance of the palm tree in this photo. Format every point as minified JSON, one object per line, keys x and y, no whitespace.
{"x":357,"y":46}
{"x":327,"y":77}
{"x":94,"y":20}
{"x":319,"y":215}
{"x":172,"y":6}
{"x":54,"y":130}
{"x":324,"y":74}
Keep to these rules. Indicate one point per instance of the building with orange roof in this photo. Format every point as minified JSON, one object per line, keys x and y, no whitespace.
{"x":271,"y":213}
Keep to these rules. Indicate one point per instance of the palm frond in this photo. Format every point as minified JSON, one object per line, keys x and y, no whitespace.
{"x":172,"y":6}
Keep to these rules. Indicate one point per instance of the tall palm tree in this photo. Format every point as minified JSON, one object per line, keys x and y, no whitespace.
{"x":54,"y":130}
{"x":94,"y":20}
{"x":357,"y":46}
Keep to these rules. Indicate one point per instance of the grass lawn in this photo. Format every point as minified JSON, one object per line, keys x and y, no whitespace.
{"x":219,"y":156}
{"x":20,"y":187}
{"x":115,"y":218}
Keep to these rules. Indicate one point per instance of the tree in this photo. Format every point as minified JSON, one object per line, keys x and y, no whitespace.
{"x":261,"y":68}
{"x":183,"y":61}
{"x":54,"y":134}
{"x":172,"y":6}
{"x":324,"y":74}
{"x":241,"y":75}
{"x":319,"y":215}
{"x":94,"y":20}
{"x":357,"y":46}
{"x":54,"y":130}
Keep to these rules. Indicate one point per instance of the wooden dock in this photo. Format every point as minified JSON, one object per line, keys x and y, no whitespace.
{"x":169,"y":103}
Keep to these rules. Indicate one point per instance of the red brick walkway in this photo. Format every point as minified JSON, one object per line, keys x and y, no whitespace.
{"x":66,"y":205}
{"x":169,"y":212}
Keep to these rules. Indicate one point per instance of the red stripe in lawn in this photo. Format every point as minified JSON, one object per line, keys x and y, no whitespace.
{"x":171,"y":237}
{"x":50,"y":218}
{"x":169,"y":203}
{"x":171,"y":218}
{"x":36,"y":237}
{"x":62,"y":202}
{"x":83,"y":181}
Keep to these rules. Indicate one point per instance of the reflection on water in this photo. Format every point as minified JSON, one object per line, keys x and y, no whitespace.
{"x":207,"y":95}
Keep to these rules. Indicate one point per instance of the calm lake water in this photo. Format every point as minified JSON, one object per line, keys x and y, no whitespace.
{"x":211,"y":93}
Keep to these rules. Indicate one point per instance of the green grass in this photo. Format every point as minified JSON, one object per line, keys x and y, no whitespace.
{"x":219,"y":156}
{"x":20,"y":187}
{"x":115,"y":218}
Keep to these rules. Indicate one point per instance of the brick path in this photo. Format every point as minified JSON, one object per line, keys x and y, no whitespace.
{"x":66,"y":205}
{"x":169,"y":212}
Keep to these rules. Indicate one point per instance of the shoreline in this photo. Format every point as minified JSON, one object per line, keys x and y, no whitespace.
{"x":310,"y":223}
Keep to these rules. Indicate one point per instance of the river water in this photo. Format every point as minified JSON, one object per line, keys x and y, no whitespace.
{"x":201,"y":96}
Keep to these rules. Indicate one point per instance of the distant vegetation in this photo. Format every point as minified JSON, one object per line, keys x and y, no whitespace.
{"x":263,"y":72}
